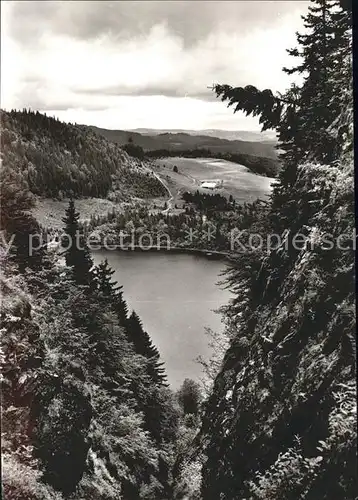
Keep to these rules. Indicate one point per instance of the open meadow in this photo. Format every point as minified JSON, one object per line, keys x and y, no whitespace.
{"x":238,"y":180}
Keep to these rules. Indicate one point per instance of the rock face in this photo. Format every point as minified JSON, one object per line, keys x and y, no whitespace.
{"x":280,"y":422}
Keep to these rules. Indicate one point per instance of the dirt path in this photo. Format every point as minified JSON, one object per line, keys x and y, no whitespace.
{"x":162,"y":181}
{"x":171,"y":196}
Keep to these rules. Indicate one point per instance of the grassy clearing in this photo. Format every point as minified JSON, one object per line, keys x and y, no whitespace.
{"x":239,"y":181}
{"x":49,"y":212}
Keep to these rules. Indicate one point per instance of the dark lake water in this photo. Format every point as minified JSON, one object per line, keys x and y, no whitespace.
{"x":174,"y":295}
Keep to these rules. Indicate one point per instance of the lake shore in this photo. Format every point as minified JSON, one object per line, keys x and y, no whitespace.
{"x":212,"y":254}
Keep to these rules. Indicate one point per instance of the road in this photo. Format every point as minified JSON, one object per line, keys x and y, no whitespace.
{"x":171,"y":196}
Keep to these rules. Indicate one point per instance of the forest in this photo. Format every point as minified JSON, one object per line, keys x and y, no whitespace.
{"x":61,"y":160}
{"x":207,"y":222}
{"x":86,"y":410}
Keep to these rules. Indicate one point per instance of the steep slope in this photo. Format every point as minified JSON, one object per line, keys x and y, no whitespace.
{"x":73,"y":425}
{"x":282,"y":413}
{"x":281,"y":419}
{"x":85,"y":410}
{"x":58,"y":160}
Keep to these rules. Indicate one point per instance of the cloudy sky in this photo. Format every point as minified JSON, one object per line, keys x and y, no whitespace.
{"x":127,"y":64}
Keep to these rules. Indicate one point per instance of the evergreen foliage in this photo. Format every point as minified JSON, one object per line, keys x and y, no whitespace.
{"x":19,"y":228}
{"x":62,"y":160}
{"x":133,"y":149}
{"x":103,"y":276}
{"x":208,"y":203}
{"x":93,"y":419}
{"x":260,"y":165}
{"x":303,"y":115}
{"x":216,"y":233}
{"x":85,"y":410}
{"x":144,"y":346}
{"x":77,"y":254}
{"x":273,"y":426}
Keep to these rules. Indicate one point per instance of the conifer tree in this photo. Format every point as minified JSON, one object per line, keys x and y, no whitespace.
{"x":103,"y":274}
{"x":321,"y":50}
{"x":303,"y":116}
{"x":303,"y":113}
{"x":17,"y":223}
{"x":189,"y":396}
{"x":71,"y":229}
{"x":108,"y":288}
{"x":77,"y":254}
{"x":144,"y":346}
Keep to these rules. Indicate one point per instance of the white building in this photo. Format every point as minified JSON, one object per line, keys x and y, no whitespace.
{"x":213,"y":184}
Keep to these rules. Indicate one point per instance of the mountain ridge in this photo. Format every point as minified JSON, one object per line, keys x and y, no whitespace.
{"x":185,"y":141}
{"x":231,"y":135}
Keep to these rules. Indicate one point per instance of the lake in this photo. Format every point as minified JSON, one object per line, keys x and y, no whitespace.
{"x":174,"y":295}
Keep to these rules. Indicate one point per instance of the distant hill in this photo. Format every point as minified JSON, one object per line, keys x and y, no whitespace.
{"x":185,"y":140}
{"x":59,"y":159}
{"x":231,"y":135}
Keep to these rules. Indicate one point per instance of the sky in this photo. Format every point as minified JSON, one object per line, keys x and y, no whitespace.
{"x":133,"y":64}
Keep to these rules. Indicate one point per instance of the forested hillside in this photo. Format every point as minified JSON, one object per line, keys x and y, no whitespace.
{"x":60,"y":160}
{"x":280,"y":422}
{"x":86,"y":412}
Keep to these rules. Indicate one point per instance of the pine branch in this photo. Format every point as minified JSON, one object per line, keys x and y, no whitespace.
{"x":221,"y":89}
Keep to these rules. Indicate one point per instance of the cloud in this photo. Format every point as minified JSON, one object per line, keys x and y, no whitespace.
{"x":113,"y":58}
{"x":146,"y":90}
{"x":192,"y":21}
{"x":159,"y":112}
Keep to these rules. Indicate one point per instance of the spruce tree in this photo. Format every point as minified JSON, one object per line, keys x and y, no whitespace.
{"x":144,"y":346}
{"x":103,"y":275}
{"x":77,"y":254}
{"x":106,"y":287}
{"x":321,"y":49}
{"x":189,"y":396}
{"x":277,"y":345}
{"x":303,"y":116}
{"x":71,"y":229}
{"x":121,"y":308}
{"x":303,"y":113}
{"x":16,"y":221}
